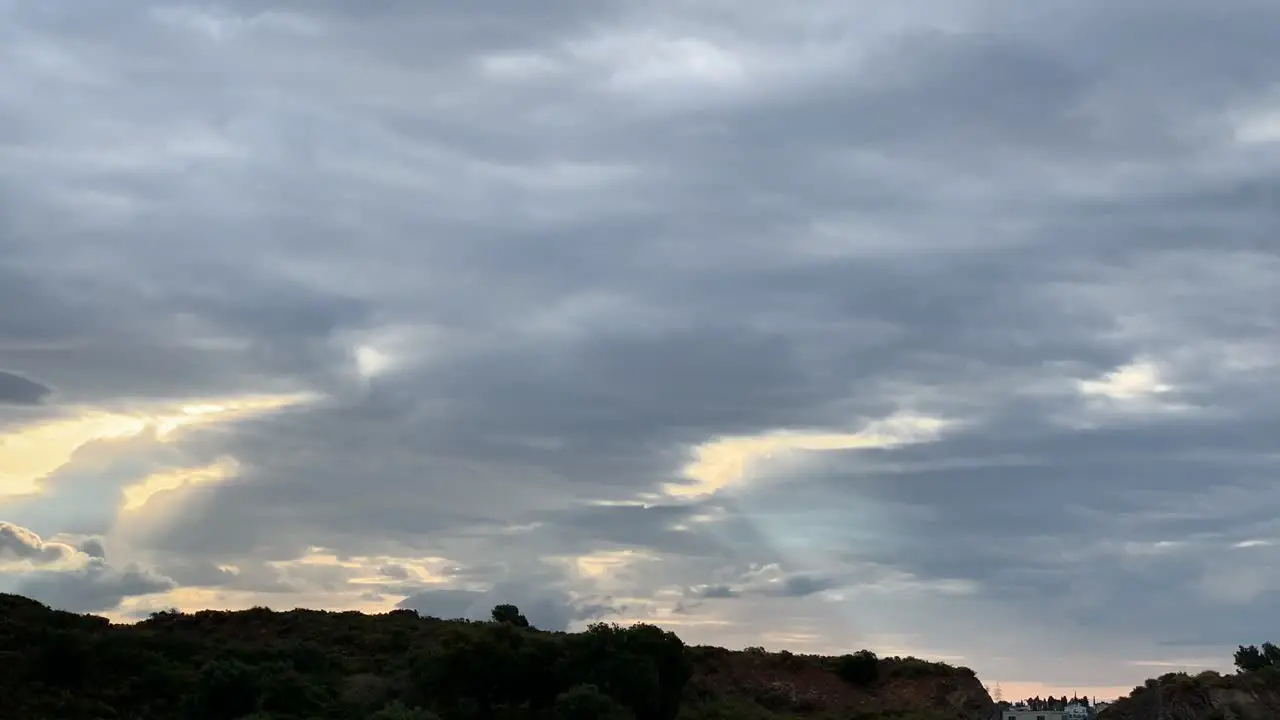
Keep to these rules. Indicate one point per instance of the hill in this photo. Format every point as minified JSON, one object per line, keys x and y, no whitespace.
{"x":309,"y":664}
{"x":1252,"y":693}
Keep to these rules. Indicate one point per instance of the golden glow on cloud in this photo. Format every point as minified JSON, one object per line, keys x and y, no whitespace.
{"x":30,"y":454}
{"x":50,"y":554}
{"x":600,"y":565}
{"x":367,"y":570}
{"x":726,"y":461}
{"x":136,"y":495}
{"x":192,"y":599}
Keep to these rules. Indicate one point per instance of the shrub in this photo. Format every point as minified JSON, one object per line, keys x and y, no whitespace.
{"x":586,"y":702}
{"x":860,"y":668}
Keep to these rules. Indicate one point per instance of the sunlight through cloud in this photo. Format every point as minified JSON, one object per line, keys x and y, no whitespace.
{"x":137,"y":494}
{"x":726,"y":461}
{"x":29,"y":455}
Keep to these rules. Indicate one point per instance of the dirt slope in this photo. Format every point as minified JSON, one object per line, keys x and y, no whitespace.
{"x":804,"y":685}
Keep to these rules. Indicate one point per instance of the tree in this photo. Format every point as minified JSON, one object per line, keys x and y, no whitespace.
{"x":1251,"y":658}
{"x":509,"y":615}
{"x":860,"y":668}
{"x":228,"y":689}
{"x":1271,"y":653}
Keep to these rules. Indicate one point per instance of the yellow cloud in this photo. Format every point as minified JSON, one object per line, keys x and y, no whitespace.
{"x":604,"y":563}
{"x":136,"y":495}
{"x":725,"y":461}
{"x":367,"y":570}
{"x":30,"y":454}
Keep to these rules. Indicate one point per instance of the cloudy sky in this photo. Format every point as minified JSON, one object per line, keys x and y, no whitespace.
{"x":945,"y":328}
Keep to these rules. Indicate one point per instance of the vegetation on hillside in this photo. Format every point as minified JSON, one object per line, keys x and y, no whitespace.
{"x":1252,"y":658}
{"x":311,"y":665}
{"x":1251,"y":693}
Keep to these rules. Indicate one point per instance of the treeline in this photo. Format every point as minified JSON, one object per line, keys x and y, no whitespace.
{"x":1053,"y":703}
{"x":233,"y":666}
{"x":315,"y":665}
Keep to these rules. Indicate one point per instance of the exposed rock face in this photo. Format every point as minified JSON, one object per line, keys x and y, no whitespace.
{"x":1207,"y":696}
{"x":804,"y":686}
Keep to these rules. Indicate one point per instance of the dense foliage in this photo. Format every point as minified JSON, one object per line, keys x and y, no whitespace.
{"x":313,"y":665}
{"x":860,"y":668}
{"x":1251,"y":658}
{"x":1251,"y":693}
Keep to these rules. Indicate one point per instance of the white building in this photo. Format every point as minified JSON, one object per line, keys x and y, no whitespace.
{"x":1076,"y":711}
{"x":1072,"y":712}
{"x":1020,"y":714}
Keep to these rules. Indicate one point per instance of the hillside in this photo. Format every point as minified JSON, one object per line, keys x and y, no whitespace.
{"x":1253,"y":693}
{"x":308,"y":664}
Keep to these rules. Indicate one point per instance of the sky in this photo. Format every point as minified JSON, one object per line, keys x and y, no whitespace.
{"x":938,"y":328}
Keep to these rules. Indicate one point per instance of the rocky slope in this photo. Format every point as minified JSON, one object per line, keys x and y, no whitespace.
{"x":759,"y":684}
{"x":1206,"y":696}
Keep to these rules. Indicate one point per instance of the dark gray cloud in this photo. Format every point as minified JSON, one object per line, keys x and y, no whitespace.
{"x":18,"y":390}
{"x":775,"y":584}
{"x":532,"y":262}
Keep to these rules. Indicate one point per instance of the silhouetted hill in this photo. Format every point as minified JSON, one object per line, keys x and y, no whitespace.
{"x":308,"y":664}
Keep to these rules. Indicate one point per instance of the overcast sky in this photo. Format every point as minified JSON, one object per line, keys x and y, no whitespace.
{"x":941,"y":328}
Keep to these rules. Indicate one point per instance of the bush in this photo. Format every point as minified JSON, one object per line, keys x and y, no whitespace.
{"x":228,"y":689}
{"x":860,"y":668}
{"x":586,"y":702}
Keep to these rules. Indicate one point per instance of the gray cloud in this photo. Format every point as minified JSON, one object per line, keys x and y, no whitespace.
{"x":93,"y":547}
{"x":18,"y":390}
{"x":19,"y":543}
{"x":589,"y":239}
{"x":96,"y":587}
{"x":71,"y":579}
{"x":395,"y":572}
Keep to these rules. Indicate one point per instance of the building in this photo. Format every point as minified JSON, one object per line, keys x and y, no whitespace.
{"x":1071,"y":712}
{"x":1019,"y":714}
{"x":1076,"y":711}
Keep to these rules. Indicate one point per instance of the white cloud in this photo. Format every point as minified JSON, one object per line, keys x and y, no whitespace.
{"x":1133,"y":382}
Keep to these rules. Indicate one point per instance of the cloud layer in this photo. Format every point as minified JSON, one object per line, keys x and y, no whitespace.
{"x":931,"y":328}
